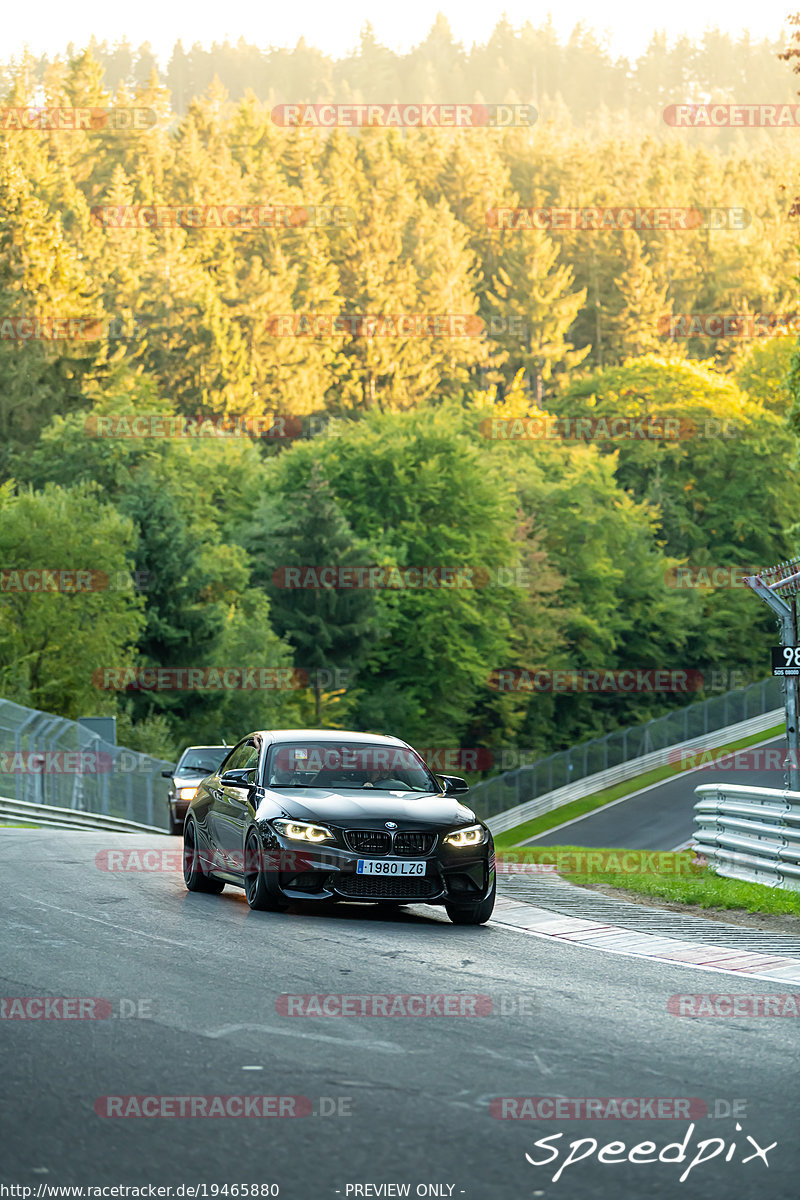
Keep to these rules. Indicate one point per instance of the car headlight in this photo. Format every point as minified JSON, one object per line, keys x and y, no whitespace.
{"x":473,"y":835}
{"x":303,"y":831}
{"x":187,"y":793}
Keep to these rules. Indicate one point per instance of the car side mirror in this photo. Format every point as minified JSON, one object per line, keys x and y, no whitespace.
{"x":238,"y":779}
{"x":167,"y":774}
{"x":454,"y":785}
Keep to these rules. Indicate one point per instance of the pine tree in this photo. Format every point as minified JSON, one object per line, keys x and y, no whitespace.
{"x":329,"y":628}
{"x":535,"y":305}
{"x":636,"y":327}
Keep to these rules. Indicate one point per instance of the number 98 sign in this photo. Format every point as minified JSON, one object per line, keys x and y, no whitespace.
{"x":786,"y":660}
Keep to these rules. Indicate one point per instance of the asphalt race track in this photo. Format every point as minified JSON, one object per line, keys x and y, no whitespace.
{"x":409,"y":1096}
{"x":660,"y":818}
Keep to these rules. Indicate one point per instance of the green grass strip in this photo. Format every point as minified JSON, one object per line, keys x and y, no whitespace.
{"x":678,"y":877}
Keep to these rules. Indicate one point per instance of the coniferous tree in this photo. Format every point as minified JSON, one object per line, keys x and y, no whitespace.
{"x":330,"y":628}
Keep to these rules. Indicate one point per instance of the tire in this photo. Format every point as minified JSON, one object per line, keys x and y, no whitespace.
{"x":473,"y":914}
{"x":260,"y":892}
{"x":175,"y":827}
{"x":194,"y":876}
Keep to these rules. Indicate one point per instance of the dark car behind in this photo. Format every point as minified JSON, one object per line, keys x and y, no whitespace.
{"x":194,"y":765}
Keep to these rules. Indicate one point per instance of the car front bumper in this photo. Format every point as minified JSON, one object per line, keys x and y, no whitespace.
{"x":304,"y":872}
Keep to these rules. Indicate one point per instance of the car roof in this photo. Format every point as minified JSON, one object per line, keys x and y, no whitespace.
{"x":327,"y":735}
{"x":186,"y":749}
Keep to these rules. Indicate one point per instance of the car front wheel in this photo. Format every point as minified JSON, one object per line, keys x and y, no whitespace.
{"x":261,"y":894}
{"x":473,"y":914}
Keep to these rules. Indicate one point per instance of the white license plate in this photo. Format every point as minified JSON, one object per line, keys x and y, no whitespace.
{"x":390,"y":866}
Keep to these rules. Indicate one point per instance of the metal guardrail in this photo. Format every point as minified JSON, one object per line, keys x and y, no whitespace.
{"x":750,"y":833}
{"x":624,"y":771}
{"x":536,"y":780}
{"x":67,"y":818}
{"x":49,"y":760}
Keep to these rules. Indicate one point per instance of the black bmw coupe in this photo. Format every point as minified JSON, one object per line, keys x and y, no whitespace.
{"x":297,"y":815}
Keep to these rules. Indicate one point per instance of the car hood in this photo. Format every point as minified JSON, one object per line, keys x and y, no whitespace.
{"x":368,"y":809}
{"x":184,"y":780}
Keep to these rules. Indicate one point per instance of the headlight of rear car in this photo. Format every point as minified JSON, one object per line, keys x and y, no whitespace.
{"x":303,"y":831}
{"x":187,"y":793}
{"x":473,"y":835}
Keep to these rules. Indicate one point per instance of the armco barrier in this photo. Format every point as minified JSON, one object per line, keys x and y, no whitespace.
{"x":624,"y":771}
{"x":678,"y":727}
{"x":750,"y":833}
{"x":121,"y":783}
{"x":67,"y":818}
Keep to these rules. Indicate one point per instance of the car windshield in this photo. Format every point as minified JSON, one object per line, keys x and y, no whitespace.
{"x":202,"y":758}
{"x":348,"y":765}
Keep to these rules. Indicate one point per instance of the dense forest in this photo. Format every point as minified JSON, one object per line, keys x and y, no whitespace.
{"x":181,"y":413}
{"x":579,"y":77}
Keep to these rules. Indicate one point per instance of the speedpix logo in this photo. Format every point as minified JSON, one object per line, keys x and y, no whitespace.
{"x":616,"y":1153}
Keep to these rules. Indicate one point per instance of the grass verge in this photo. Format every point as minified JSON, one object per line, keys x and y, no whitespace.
{"x":587,"y":804}
{"x":678,"y":878}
